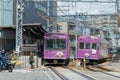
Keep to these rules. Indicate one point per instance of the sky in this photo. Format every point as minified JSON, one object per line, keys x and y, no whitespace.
{"x":88,"y":8}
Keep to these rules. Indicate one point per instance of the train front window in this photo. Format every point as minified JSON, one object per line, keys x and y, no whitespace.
{"x":53,"y":44}
{"x":61,"y":44}
{"x":94,"y":45}
{"x":49,"y":44}
{"x":87,"y":45}
{"x":81,"y":45}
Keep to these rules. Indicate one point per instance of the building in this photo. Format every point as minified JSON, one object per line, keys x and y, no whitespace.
{"x":108,"y":27}
{"x":30,"y":16}
{"x":7,"y":33}
{"x":104,"y":26}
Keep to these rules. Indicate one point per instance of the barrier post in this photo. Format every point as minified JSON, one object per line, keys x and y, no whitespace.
{"x":77,"y":64}
{"x":84,"y":61}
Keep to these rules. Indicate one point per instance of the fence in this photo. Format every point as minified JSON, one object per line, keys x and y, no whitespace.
{"x":25,"y":53}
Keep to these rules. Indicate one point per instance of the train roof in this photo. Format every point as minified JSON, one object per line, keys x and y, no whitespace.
{"x":103,"y":41}
{"x":89,"y":36}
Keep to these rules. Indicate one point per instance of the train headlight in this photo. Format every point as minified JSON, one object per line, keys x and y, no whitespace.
{"x":87,"y":55}
{"x":59,"y":54}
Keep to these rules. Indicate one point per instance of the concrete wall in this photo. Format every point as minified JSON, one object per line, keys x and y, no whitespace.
{"x":62,"y":27}
{"x":1,"y":44}
{"x":8,"y":34}
{"x":26,"y":64}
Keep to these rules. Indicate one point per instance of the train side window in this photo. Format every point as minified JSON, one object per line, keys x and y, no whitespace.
{"x":87,"y":45}
{"x":81,"y":45}
{"x":94,"y":45}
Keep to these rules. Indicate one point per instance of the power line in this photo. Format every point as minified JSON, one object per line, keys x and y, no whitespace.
{"x":107,"y":8}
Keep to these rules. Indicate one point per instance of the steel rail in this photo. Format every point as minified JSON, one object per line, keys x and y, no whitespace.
{"x":86,"y":76}
{"x":103,"y":71}
{"x":58,"y":74}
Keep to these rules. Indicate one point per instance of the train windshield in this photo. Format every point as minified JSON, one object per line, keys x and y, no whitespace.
{"x":94,"y":46}
{"x":54,"y":44}
{"x":87,"y":45}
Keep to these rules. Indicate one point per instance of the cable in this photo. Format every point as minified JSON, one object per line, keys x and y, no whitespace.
{"x":61,"y":10}
{"x":107,"y":8}
{"x":43,"y":17}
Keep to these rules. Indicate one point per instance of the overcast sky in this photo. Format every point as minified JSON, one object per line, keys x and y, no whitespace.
{"x":89,"y":8}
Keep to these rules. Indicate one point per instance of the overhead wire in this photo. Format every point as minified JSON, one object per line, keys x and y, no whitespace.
{"x":107,"y":8}
{"x":65,"y":13}
{"x":61,"y":10}
{"x":44,"y":17}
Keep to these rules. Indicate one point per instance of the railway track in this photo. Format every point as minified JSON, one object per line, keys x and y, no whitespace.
{"x":72,"y":72}
{"x":62,"y":77}
{"x":86,"y":76}
{"x":65,"y":73}
{"x":97,"y":68}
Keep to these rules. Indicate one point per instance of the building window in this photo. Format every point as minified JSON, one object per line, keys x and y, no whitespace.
{"x":72,"y":38}
{"x":0,"y":4}
{"x":105,"y":18}
{"x":116,"y":43}
{"x":71,"y":27}
{"x":8,"y":5}
{"x":7,"y":18}
{"x":60,"y":27}
{"x":40,"y":7}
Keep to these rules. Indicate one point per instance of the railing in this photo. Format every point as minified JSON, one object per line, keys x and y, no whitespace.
{"x":29,"y":47}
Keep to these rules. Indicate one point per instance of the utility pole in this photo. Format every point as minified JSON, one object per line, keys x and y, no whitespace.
{"x":76,"y":38}
{"x":48,"y":9}
{"x":19,"y":22}
{"x":117,"y":6}
{"x":117,"y":10}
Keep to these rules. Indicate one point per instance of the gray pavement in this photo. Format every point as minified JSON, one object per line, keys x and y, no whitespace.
{"x":115,"y":64}
{"x":37,"y":74}
{"x":44,"y":74}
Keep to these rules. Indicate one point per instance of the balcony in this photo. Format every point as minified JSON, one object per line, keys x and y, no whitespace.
{"x":72,"y":43}
{"x":29,"y":47}
{"x":107,"y":38}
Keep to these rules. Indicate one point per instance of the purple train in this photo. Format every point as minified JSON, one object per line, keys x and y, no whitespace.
{"x":92,"y":48}
{"x":56,"y":48}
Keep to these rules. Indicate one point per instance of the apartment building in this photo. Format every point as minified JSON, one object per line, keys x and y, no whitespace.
{"x":108,"y":26}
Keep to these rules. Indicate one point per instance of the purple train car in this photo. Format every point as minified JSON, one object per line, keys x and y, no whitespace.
{"x":92,"y":48}
{"x":56,"y":48}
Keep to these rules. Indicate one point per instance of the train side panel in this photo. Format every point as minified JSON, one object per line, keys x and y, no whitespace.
{"x":92,"y":48}
{"x":87,"y":52}
{"x":103,"y":49}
